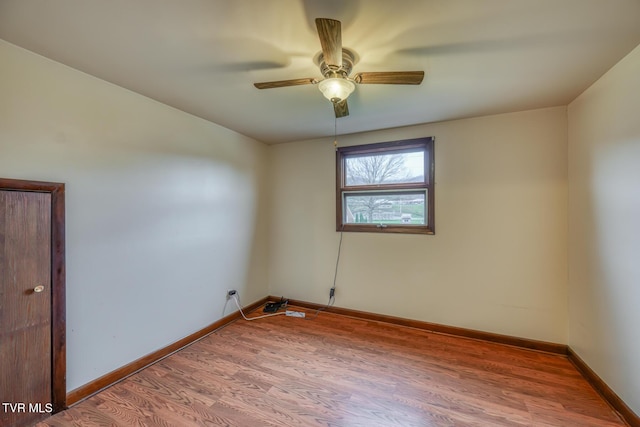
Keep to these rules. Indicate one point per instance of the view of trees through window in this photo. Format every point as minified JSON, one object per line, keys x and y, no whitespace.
{"x":385,"y":169}
{"x":389,"y":209}
{"x":386,"y":187}
{"x":385,"y":208}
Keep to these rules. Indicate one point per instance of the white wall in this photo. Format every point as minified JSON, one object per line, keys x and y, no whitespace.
{"x":498,"y":261}
{"x":161,"y":208}
{"x":604,"y":228}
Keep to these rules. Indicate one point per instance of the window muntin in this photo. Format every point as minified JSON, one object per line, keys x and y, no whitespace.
{"x":386,"y":187}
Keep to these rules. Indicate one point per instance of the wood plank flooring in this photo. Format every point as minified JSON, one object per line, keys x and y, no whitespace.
{"x":338,"y":371}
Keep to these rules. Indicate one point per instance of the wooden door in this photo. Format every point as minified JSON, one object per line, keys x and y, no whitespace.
{"x":25,"y":307}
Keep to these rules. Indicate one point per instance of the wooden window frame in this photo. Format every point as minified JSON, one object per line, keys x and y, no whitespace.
{"x":342,"y":153}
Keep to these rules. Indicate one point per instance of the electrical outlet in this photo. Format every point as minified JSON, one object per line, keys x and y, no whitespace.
{"x":231,"y":293}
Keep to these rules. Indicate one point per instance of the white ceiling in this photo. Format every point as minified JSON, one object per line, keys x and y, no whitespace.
{"x":202,"y":56}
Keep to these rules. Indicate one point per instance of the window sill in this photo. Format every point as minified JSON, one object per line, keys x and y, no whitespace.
{"x":375,"y":228}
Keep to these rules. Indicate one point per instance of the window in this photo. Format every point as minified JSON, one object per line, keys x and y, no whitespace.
{"x":386,"y":187}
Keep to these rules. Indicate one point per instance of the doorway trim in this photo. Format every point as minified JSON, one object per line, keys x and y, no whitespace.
{"x":58,"y":278}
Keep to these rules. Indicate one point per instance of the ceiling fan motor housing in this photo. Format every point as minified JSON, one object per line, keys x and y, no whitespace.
{"x":331,"y":71}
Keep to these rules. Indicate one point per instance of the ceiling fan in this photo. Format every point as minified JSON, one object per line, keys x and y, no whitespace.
{"x":335,"y":64}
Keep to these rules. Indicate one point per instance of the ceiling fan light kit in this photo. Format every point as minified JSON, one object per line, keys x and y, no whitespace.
{"x":336,"y":89}
{"x":335,"y":64}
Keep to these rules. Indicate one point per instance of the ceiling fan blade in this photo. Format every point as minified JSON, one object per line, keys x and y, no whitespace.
{"x":330,"y":33}
{"x":390,"y":77}
{"x":285,"y":83}
{"x":341,"y":108}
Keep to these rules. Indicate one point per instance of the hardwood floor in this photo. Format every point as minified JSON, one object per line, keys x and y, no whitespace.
{"x":339,"y":371}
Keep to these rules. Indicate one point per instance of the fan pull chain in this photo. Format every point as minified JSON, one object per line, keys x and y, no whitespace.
{"x":335,"y":133}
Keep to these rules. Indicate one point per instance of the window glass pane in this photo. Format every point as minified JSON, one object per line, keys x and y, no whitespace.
{"x":377,"y":169}
{"x":377,"y":208}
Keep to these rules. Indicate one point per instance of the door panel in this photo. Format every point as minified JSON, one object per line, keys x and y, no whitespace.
{"x":25,"y":315}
